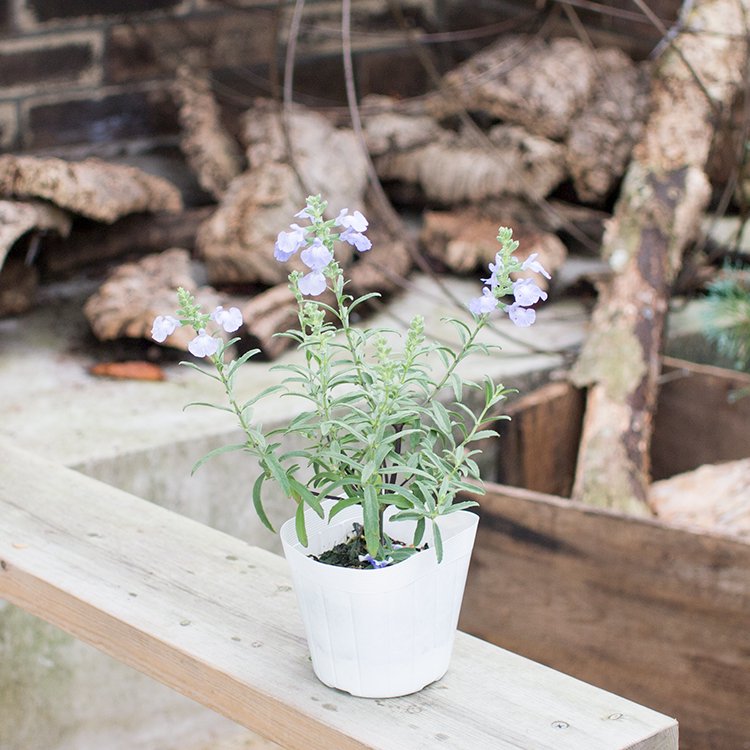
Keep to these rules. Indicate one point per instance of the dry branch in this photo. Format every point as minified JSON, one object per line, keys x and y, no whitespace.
{"x":91,"y":188}
{"x":210,"y":151}
{"x":663,"y":196}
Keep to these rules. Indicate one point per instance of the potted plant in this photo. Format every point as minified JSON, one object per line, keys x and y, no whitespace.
{"x":379,"y":546}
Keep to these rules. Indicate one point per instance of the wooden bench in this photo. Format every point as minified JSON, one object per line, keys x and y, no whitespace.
{"x":216,"y":619}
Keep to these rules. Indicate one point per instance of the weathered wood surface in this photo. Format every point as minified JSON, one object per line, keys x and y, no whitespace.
{"x":540,"y":442}
{"x":91,"y":188}
{"x":658,"y":614}
{"x":216,"y":619}
{"x":664,"y":194}
{"x":696,"y":422}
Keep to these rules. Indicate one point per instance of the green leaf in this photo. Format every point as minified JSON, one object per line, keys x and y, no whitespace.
{"x":419,"y":532}
{"x":371,"y":519}
{"x":299,"y":524}
{"x":193,"y":366}
{"x":460,"y":506}
{"x":209,"y":405}
{"x":258,"y":503}
{"x":278,"y":473}
{"x":482,"y":435}
{"x":343,"y":504}
{"x":438,"y":540}
{"x":265,"y":392}
{"x":306,"y":496}
{"x":216,"y":452}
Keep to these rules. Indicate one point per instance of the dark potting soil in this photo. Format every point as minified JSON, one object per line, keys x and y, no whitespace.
{"x":346,"y":554}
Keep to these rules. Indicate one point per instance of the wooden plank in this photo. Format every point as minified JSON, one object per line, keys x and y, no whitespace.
{"x":655,"y":613}
{"x":216,"y":619}
{"x":539,"y":444}
{"x":696,"y":422}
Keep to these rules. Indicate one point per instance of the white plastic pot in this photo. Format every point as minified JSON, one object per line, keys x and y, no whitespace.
{"x":380,"y":633}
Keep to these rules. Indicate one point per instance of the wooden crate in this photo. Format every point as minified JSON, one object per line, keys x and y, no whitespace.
{"x":656,"y":613}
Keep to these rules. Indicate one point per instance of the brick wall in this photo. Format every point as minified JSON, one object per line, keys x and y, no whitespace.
{"x":90,"y":74}
{"x":87,"y":74}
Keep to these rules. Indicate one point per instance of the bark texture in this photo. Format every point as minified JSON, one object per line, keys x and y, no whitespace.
{"x":127,"y":303}
{"x":663,"y":196}
{"x":714,"y":497}
{"x":92,"y":188}
{"x":237,"y":241}
{"x":464,"y":241}
{"x":452,"y":168}
{"x":211,"y":152}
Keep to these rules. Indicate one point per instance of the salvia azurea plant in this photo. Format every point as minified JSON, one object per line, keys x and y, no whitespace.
{"x":384,"y":423}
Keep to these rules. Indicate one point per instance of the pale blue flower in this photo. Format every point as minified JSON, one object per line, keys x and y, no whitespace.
{"x":357,"y":239}
{"x":523,"y":317}
{"x":484,"y":304}
{"x":368,"y":558}
{"x":303,"y":214}
{"x":530,"y":264}
{"x":203,"y":345}
{"x":313,"y":283}
{"x":287,"y":243}
{"x":356,"y":221}
{"x":317,"y":256}
{"x":495,"y":269}
{"x":354,"y":227}
{"x":527,"y":292}
{"x":164,"y":326}
{"x":230,"y":320}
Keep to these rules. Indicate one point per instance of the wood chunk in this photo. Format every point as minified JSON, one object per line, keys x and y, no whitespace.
{"x":237,"y":241}
{"x":91,"y":188}
{"x":465,"y":240}
{"x":137,"y":234}
{"x":382,"y":269}
{"x":18,"y":285}
{"x":211,"y":152}
{"x":388,"y":130}
{"x":132,"y":370}
{"x":604,"y":132}
{"x":523,"y":80}
{"x":453,"y":169}
{"x":663,"y":198}
{"x":329,"y":160}
{"x":714,"y":497}
{"x":127,"y":303}
{"x":16,"y":219}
